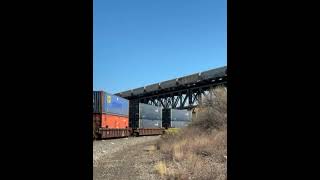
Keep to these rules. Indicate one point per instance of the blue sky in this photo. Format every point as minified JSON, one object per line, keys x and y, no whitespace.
{"x":140,"y":42}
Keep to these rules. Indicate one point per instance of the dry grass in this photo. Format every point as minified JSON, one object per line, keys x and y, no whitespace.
{"x":172,"y":131}
{"x":161,"y":168}
{"x":200,"y":150}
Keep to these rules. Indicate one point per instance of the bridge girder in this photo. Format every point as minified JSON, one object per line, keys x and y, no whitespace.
{"x":180,"y":93}
{"x":182,"y":99}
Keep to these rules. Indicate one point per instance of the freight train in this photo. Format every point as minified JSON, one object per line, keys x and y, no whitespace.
{"x":114,"y":117}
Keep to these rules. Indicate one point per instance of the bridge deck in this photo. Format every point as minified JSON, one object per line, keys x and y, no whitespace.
{"x":198,"y":79}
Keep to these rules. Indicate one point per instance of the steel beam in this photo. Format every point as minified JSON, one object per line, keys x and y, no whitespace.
{"x":184,"y":99}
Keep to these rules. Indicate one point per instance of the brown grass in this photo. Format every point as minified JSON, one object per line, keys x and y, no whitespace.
{"x":161,"y":168}
{"x":200,"y":150}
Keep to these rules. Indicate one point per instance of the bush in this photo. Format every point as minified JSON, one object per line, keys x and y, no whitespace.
{"x":199,"y":151}
{"x":212,"y":111}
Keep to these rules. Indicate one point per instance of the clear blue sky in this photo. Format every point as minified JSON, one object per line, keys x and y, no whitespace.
{"x":140,"y":42}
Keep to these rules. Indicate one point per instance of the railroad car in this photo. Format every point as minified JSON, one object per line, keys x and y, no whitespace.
{"x":145,"y":119}
{"x":110,"y":116}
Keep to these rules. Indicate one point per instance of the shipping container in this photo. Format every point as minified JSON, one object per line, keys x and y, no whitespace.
{"x":176,"y":118}
{"x":179,"y":124}
{"x":144,"y":115}
{"x":114,"y":121}
{"x":104,"y":102}
{"x":117,"y":105}
{"x":97,"y":102}
{"x":180,"y":115}
{"x":110,"y":126}
{"x":150,"y":112}
{"x":150,"y":123}
{"x":110,"y":121}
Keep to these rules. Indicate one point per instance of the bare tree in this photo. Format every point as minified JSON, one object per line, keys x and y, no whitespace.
{"x":212,"y":112}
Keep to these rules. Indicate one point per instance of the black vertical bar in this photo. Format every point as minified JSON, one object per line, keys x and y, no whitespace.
{"x":172,"y":100}
{"x":200,"y":96}
{"x":180,"y":97}
{"x":190,"y":96}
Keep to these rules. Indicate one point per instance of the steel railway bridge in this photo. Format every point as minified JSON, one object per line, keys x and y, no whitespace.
{"x":180,"y":93}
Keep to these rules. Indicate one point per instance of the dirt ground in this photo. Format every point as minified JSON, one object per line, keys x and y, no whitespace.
{"x":126,"y":159}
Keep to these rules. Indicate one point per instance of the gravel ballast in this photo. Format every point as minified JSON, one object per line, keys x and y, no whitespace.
{"x":125,"y":158}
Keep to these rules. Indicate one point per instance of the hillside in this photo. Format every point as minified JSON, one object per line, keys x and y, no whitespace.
{"x":200,"y":150}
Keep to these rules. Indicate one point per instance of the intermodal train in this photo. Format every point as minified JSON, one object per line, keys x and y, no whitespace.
{"x":114,"y":117}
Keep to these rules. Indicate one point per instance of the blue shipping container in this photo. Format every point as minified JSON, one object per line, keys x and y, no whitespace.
{"x":116,"y":105}
{"x":108,"y":103}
